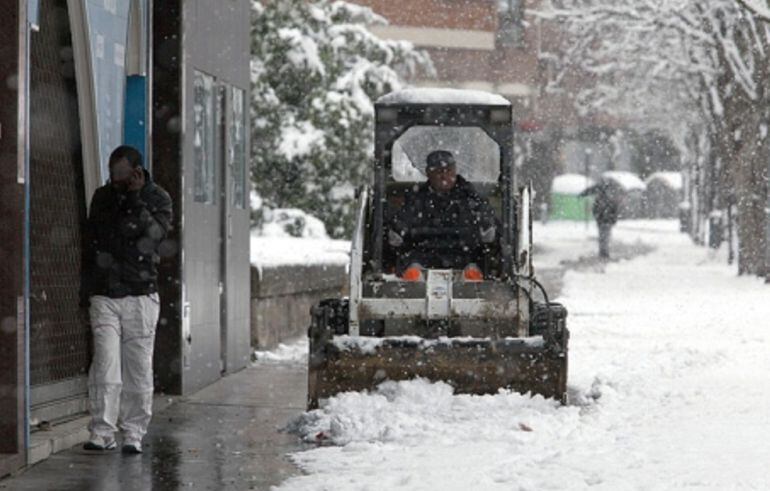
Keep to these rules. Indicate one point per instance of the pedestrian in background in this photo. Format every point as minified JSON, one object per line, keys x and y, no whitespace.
{"x":606,"y":208}
{"x":128,"y":219}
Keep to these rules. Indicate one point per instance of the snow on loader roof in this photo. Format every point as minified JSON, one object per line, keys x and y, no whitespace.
{"x":443,"y":96}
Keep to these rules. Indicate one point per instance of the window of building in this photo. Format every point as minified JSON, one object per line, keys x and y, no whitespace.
{"x":237,"y":151}
{"x":204,"y":181}
{"x":510,"y":30}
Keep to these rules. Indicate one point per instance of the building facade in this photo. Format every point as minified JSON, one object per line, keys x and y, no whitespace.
{"x":500,"y":46}
{"x":78,"y":78}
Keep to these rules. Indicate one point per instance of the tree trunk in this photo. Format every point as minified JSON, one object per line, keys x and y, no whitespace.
{"x":750,"y":178}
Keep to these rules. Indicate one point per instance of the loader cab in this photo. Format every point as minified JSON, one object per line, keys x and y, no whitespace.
{"x":454,"y":241}
{"x":477,"y":129}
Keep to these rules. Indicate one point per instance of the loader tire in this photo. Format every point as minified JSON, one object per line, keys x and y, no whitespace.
{"x":329,"y":318}
{"x":550,"y":321}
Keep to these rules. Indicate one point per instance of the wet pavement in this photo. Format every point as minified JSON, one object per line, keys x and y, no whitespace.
{"x":227,"y":436}
{"x":224,"y":437}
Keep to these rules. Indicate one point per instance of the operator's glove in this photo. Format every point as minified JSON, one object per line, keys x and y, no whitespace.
{"x":488,"y":235}
{"x":394,"y":239}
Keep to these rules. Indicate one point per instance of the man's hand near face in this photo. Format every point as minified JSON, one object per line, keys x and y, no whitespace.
{"x":137,"y":180}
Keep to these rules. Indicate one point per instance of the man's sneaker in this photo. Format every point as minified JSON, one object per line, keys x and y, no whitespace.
{"x":100,"y":444}
{"x":132,"y":447}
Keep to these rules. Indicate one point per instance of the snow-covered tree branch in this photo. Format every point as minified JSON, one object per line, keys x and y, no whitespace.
{"x":315,"y":71}
{"x":760,"y":8}
{"x":685,"y":67}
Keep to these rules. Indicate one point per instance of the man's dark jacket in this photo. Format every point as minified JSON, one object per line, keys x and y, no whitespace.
{"x":461,"y":209}
{"x":123,"y":236}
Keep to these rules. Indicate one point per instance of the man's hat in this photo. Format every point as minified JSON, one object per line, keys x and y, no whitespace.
{"x":439,"y":158}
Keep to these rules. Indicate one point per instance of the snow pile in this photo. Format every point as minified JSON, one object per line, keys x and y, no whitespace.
{"x":293,"y":353}
{"x":628,"y":180}
{"x":280,"y":251}
{"x":276,"y":243}
{"x":426,"y":95}
{"x":417,"y":411}
{"x":673,"y":180}
{"x":570,"y":184}
{"x":668,"y":377}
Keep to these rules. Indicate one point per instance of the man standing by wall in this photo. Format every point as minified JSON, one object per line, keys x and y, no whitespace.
{"x":128,"y":219}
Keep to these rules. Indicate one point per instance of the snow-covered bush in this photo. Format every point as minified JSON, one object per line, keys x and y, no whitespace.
{"x":315,"y":71}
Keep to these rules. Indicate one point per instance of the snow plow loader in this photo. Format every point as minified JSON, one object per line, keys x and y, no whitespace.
{"x":443,"y":298}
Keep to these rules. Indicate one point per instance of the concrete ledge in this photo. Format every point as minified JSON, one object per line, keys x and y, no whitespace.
{"x":60,"y":437}
{"x":44,"y":443}
{"x":283,"y":295}
{"x":273,"y":281}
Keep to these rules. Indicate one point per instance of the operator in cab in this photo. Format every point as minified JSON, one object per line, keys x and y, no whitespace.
{"x":444,"y":222}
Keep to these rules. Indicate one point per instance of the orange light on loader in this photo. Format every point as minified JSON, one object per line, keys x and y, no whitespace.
{"x":473,"y":273}
{"x":412,"y":273}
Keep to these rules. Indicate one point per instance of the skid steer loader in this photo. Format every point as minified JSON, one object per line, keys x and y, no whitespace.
{"x":478,"y":328}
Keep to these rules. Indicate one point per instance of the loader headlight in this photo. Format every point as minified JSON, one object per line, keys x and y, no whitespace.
{"x":412,"y":273}
{"x":473,"y":273}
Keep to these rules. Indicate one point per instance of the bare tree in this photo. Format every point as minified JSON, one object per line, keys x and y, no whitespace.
{"x":689,"y":68}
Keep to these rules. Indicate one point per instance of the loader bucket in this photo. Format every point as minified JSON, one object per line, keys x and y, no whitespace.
{"x":472,"y":366}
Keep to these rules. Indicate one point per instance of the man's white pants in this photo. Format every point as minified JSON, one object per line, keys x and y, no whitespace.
{"x":120,"y":385}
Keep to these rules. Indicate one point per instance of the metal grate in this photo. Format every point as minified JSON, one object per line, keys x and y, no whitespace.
{"x":59,"y":334}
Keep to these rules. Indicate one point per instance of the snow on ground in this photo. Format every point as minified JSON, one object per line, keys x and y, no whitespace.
{"x":293,"y":352}
{"x":669,"y":372}
{"x":558,"y":242}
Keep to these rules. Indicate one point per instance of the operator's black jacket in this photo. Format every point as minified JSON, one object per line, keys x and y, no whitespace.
{"x":461,"y":209}
{"x":122,"y":240}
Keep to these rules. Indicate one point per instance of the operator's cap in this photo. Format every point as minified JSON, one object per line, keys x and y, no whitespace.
{"x":440,"y":158}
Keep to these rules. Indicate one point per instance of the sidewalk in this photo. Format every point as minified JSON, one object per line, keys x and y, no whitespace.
{"x":223,"y":437}
{"x":226,"y":436}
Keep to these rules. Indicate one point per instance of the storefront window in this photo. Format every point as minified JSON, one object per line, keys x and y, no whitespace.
{"x":205,"y":183}
{"x":237,"y":153}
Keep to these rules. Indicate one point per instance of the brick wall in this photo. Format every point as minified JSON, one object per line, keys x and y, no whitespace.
{"x":497,"y":66}
{"x":449,"y":14}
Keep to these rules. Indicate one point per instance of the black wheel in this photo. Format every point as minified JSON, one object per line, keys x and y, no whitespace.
{"x":329,"y":318}
{"x":550,"y":321}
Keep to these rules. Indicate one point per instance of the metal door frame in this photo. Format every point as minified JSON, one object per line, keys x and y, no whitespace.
{"x":223,"y":145}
